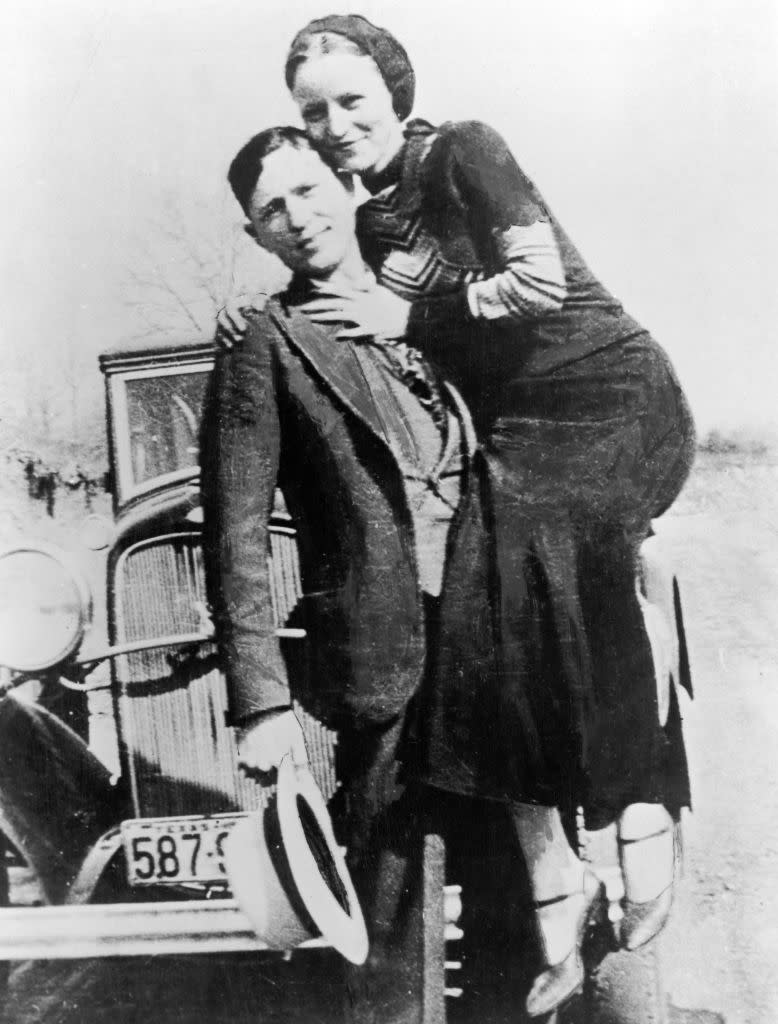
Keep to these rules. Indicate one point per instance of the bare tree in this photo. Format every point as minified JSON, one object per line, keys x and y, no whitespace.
{"x":189,"y":263}
{"x":184,"y":265}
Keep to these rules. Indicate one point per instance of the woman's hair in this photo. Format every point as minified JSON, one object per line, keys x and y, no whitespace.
{"x":246,"y":168}
{"x":353,"y":34}
{"x":319,"y":44}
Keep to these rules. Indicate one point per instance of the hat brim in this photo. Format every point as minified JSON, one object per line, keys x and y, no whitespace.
{"x":301,"y":812}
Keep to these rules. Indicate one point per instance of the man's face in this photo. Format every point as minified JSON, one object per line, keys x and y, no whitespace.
{"x":302,"y":212}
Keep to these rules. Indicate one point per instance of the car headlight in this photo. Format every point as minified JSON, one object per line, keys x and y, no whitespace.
{"x":45,"y":606}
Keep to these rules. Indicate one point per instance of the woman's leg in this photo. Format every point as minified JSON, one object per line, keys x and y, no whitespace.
{"x":615,"y":441}
{"x":554,"y":869}
{"x":646,"y":834}
{"x":636,"y":757}
{"x":564,"y":893}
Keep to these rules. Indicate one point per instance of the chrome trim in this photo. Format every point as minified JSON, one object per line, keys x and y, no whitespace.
{"x":175,"y":640}
{"x":127,"y":929}
{"x":67,"y":562}
{"x":135,"y":929}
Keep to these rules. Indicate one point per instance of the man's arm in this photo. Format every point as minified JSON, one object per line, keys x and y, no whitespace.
{"x":240,"y":445}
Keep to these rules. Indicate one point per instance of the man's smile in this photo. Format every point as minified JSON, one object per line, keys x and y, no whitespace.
{"x":311,"y":241}
{"x":346,"y":146}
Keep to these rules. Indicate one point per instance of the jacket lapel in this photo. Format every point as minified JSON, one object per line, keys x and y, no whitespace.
{"x":335,"y":363}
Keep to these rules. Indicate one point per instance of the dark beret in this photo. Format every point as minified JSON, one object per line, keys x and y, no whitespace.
{"x":389,"y":55}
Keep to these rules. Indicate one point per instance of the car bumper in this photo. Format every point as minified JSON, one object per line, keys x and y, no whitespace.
{"x":127,"y":929}
{"x":136,"y":929}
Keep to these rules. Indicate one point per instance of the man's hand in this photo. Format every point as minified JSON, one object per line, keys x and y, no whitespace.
{"x":264,"y":744}
{"x":375,"y":312}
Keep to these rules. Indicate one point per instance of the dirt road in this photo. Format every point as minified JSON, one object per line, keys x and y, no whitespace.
{"x":721,"y":949}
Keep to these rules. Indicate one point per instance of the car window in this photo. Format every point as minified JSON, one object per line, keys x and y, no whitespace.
{"x":157,"y":417}
{"x":164,"y":419}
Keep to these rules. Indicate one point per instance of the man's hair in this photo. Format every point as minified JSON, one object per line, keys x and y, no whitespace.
{"x":246,"y":168}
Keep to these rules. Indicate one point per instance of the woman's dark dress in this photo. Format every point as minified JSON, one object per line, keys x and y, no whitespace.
{"x":587,"y":436}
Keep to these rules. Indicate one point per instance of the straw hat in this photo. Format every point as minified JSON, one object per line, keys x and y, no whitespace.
{"x":289,"y":875}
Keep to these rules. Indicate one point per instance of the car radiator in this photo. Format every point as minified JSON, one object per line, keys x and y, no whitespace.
{"x":179,"y":754}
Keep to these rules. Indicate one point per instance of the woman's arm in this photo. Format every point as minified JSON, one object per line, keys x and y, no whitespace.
{"x":472,"y":165}
{"x":469,"y":170}
{"x":532,"y":283}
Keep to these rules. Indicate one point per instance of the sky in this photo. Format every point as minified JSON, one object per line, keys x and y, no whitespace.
{"x":650,"y":127}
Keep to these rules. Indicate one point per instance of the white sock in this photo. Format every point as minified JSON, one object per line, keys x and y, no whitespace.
{"x":558,"y":926}
{"x":647,"y":851}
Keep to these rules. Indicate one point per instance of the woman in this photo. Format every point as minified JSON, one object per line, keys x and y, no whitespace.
{"x":587,"y":436}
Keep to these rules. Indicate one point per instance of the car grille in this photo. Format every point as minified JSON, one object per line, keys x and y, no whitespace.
{"x":180,"y":755}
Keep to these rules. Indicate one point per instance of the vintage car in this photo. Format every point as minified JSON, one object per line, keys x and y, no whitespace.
{"x":154,"y":882}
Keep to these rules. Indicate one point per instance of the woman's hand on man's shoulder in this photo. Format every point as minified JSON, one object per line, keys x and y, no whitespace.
{"x":233,"y":318}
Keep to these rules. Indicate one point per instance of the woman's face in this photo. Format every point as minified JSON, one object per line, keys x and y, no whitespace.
{"x":347,"y":109}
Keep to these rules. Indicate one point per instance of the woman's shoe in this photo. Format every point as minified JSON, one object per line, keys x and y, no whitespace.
{"x":643,"y":921}
{"x":648,"y":867}
{"x":558,"y":982}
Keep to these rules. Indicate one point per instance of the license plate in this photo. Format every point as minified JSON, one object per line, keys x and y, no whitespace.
{"x":176,"y":851}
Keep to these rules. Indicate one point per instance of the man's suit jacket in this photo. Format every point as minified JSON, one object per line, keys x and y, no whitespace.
{"x":289,"y":406}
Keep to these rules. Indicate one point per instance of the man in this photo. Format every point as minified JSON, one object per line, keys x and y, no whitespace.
{"x":376,"y":462}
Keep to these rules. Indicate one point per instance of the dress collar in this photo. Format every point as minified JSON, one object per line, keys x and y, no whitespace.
{"x":388,"y":175}
{"x":392,"y":173}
